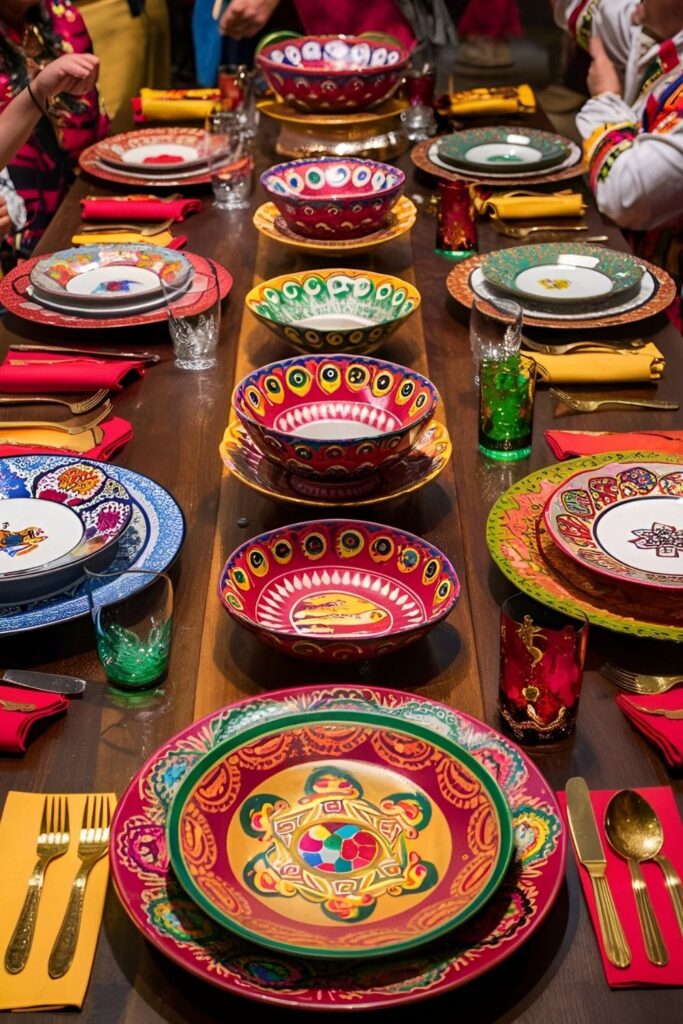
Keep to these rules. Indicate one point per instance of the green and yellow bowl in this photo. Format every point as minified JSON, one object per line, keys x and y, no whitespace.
{"x":344,"y":311}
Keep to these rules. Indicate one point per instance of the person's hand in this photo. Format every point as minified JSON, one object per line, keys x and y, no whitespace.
{"x":602,"y":74}
{"x":6,"y":224}
{"x":74,"y":73}
{"x":244,"y":18}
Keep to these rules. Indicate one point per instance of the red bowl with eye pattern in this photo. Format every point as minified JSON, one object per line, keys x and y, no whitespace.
{"x":334,"y":418}
{"x":338,"y":589}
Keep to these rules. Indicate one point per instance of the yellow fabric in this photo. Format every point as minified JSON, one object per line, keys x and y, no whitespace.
{"x":32,"y":987}
{"x":501,"y":100}
{"x":92,"y":237}
{"x":522,"y":205}
{"x":183,"y":105}
{"x":644,"y":364}
{"x":46,"y":438}
{"x":596,"y":135}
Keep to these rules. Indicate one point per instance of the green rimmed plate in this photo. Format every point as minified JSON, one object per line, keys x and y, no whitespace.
{"x":339,"y":834}
{"x":562,"y":273}
{"x":502,"y":150}
{"x":524,"y":551}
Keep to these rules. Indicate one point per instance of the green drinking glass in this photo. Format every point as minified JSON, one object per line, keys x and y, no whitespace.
{"x":506,"y":407}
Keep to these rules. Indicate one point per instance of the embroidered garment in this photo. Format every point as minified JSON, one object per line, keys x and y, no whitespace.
{"x":16,"y":208}
{"x":43,"y":168}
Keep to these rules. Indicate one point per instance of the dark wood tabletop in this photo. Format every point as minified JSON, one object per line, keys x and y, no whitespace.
{"x":178,"y":419}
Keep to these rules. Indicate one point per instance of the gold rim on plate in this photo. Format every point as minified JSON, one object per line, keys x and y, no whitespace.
{"x":281,"y":111}
{"x":401,"y":219}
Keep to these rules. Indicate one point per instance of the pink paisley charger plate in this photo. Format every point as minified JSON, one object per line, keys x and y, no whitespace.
{"x":624,"y":522}
{"x":178,"y":928}
{"x":419,"y":155}
{"x":199,"y":296}
{"x":458,"y":284}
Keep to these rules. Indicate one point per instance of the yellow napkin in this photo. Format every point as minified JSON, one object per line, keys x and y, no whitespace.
{"x":178,"y":104}
{"x":32,"y":988}
{"x":643,"y":364}
{"x":43,"y":437}
{"x":512,"y":99}
{"x":520,"y":205}
{"x":92,"y":237}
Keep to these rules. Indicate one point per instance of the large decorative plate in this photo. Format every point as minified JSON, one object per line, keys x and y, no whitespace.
{"x":502,"y":150}
{"x":425,"y":156}
{"x":378,"y":119}
{"x":268,"y":222}
{"x":415,"y":469}
{"x":158,"y":150}
{"x":199,"y":296}
{"x":183,"y":932}
{"x":151,"y":541}
{"x":109,"y":272}
{"x":524,"y":552}
{"x":564,"y":273}
{"x":625,"y":522}
{"x":339,"y":835}
{"x":89,"y":161}
{"x":657,"y":291}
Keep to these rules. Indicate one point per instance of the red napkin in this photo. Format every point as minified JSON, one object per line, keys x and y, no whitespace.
{"x":24,"y":373}
{"x":665,"y":733}
{"x":641,"y":973}
{"x":33,"y":705}
{"x":137,"y":207}
{"x":116,"y":431}
{"x":568,"y":444}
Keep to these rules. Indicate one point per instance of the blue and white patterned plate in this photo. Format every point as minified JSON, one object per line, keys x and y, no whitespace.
{"x":151,"y":541}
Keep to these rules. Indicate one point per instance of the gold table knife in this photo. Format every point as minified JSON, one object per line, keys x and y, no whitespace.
{"x":590,"y":852}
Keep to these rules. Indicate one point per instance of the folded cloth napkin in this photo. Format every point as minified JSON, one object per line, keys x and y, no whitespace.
{"x":163,"y":238}
{"x":31,"y":373}
{"x":32,"y":988}
{"x":19,"y":709}
{"x":641,"y":972}
{"x":643,"y":364}
{"x":115,"y":433}
{"x":503,"y":99}
{"x":570,"y":444}
{"x":521,"y":205}
{"x":665,"y":733}
{"x":137,"y":207}
{"x":174,"y":104}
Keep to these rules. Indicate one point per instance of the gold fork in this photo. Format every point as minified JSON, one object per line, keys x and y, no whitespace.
{"x":638,"y":682}
{"x":108,"y":228}
{"x":92,"y":845}
{"x":53,"y":841}
{"x":625,"y":347}
{"x":66,"y":428}
{"x":592,"y":404}
{"x":674,"y":715}
{"x":77,"y":408}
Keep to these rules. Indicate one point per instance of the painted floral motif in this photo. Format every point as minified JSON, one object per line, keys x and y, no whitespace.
{"x":665,"y":540}
{"x":61,"y":267}
{"x":20,"y":542}
{"x":554,"y":283}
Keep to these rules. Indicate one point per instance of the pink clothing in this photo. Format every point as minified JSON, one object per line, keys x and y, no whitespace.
{"x":493,"y":19}
{"x":353,"y":17}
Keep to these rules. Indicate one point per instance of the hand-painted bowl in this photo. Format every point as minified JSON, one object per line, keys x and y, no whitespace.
{"x":333,"y":73}
{"x":334,"y":197}
{"x":334,"y":418}
{"x":338,"y":589}
{"x":345,"y":311}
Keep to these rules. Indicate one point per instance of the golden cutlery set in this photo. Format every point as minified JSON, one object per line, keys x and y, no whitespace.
{"x":639,"y":682}
{"x":53,"y":841}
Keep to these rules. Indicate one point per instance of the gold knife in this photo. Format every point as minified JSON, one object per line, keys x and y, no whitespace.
{"x":590,"y":852}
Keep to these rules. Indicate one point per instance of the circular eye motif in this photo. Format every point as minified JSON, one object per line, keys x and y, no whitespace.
{"x":398,"y":297}
{"x":272,"y":295}
{"x":273,"y":388}
{"x":293,"y":54}
{"x":357,"y":376}
{"x":419,"y":404}
{"x":408,"y":560}
{"x":362,"y":287}
{"x":382,"y":383}
{"x":431,"y":570}
{"x":314,"y":286}
{"x":384,"y":292}
{"x":366,"y":448}
{"x":294,"y":182}
{"x":379,"y":180}
{"x":337,"y":175}
{"x":350,"y":543}
{"x":234,"y":601}
{"x":405,"y":392}
{"x":311,"y":50}
{"x":329,"y":376}
{"x":315,"y":178}
{"x":334,"y":452}
{"x":305,"y":454}
{"x":282,"y":551}
{"x":314,"y":545}
{"x":361,"y":176}
{"x":258,"y":563}
{"x":298,"y":379}
{"x":382,"y":549}
{"x":443,"y":591}
{"x":240,"y":579}
{"x":254,"y":399}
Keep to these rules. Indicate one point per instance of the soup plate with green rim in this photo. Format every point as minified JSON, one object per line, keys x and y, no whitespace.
{"x":335,"y":418}
{"x":345,"y":311}
{"x":498,"y":150}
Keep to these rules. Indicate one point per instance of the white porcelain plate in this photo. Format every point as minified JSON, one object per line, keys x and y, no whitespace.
{"x":34,"y":532}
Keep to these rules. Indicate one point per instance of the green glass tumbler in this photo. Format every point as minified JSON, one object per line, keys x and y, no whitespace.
{"x":506,"y":407}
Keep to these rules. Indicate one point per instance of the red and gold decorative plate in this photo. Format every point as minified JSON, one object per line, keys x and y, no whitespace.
{"x":198,"y":297}
{"x":93,"y":162}
{"x":339,"y":835}
{"x":177,"y":927}
{"x":158,"y":151}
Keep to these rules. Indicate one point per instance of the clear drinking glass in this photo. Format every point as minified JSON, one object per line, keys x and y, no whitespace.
{"x":495,"y":330}
{"x":506,"y":407}
{"x":195,"y":336}
{"x":231,"y":164}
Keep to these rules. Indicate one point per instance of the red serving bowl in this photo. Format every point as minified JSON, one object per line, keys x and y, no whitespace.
{"x":334,"y":197}
{"x":334,"y":417}
{"x":339,"y":589}
{"x":333,"y":73}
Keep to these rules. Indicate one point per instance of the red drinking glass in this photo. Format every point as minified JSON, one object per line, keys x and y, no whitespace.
{"x":456,"y":232}
{"x":419,"y":86}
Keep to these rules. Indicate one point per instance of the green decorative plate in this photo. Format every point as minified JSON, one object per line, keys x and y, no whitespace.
{"x":561,"y":273}
{"x":339,"y":834}
{"x":502,"y":150}
{"x":525,"y":552}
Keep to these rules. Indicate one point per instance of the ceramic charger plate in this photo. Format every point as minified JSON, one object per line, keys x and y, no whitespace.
{"x":180,"y":929}
{"x":159,"y":150}
{"x":339,"y":835}
{"x":502,"y":150}
{"x":563,"y":273}
{"x":624,"y":522}
{"x":425,"y":156}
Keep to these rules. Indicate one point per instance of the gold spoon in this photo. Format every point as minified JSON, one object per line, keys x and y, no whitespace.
{"x":627,"y":831}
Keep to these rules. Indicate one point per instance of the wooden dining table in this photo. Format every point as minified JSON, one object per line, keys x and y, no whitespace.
{"x":178,"y":419}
